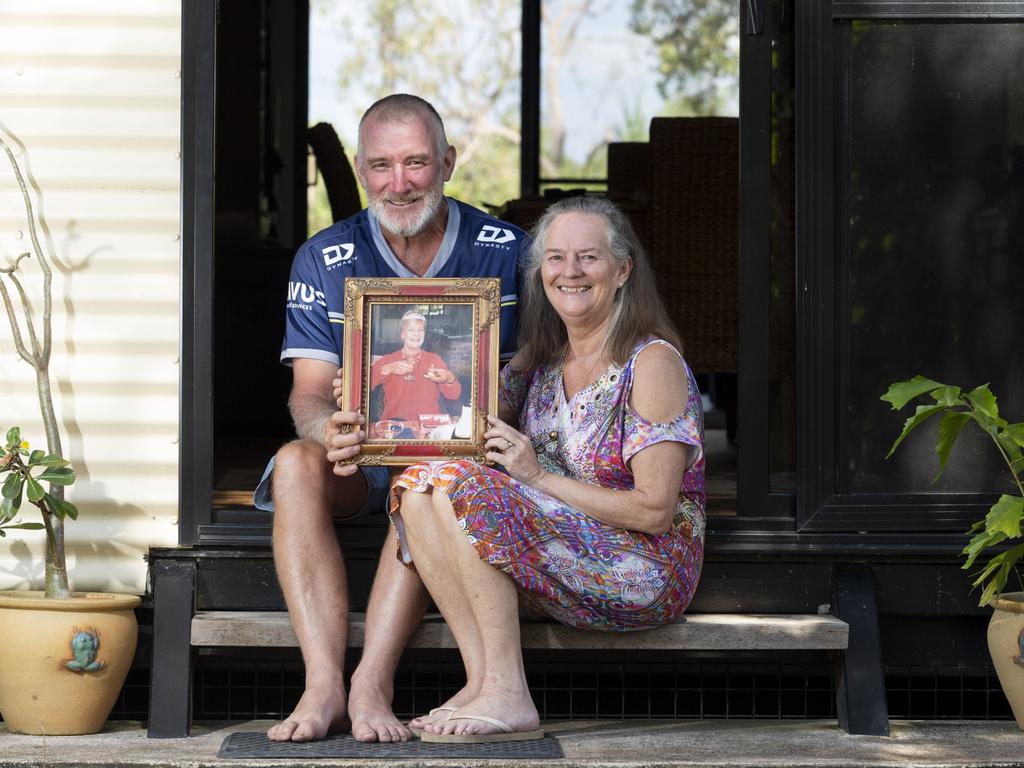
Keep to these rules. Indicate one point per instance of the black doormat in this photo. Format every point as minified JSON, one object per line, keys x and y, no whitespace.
{"x":257,"y":745}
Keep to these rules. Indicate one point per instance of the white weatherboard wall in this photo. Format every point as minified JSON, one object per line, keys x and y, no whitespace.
{"x":91,"y":92}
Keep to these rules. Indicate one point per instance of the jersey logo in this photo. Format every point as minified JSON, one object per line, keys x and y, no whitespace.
{"x":492,"y":234}
{"x":304,"y":294}
{"x":333,"y":254}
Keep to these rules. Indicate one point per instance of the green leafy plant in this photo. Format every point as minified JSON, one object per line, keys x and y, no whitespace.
{"x":19,"y":463}
{"x":1003,"y":522}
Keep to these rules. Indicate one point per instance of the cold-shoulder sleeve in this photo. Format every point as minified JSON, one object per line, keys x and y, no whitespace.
{"x":687,"y":427}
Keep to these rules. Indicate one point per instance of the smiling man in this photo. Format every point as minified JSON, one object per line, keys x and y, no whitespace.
{"x":410,"y":229}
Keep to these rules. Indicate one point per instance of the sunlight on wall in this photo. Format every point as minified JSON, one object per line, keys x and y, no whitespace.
{"x":90,"y":97}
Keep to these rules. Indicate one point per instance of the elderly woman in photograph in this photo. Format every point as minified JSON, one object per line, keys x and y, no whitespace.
{"x":599,"y":521}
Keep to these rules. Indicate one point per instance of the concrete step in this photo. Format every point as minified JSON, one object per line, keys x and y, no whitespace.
{"x":703,"y":632}
{"x":630,"y":744}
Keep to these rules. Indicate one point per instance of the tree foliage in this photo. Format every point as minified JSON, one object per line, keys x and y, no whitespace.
{"x":698,"y":59}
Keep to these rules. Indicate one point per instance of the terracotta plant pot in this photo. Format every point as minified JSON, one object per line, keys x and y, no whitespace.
{"x":64,"y":661}
{"x":1006,"y":644}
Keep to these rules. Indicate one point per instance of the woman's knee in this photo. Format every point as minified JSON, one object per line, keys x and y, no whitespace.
{"x":415,"y":509}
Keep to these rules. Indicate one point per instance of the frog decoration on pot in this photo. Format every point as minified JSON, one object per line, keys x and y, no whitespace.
{"x":84,"y":646}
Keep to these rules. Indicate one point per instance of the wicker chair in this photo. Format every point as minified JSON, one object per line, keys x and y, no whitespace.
{"x":694,"y":233}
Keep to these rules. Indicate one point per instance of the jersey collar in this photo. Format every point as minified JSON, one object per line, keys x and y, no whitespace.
{"x":444,"y":253}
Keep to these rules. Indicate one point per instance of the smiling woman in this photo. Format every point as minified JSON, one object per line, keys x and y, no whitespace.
{"x":598,"y":519}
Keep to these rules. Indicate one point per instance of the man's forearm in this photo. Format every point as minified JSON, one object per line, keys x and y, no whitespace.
{"x":310,"y":413}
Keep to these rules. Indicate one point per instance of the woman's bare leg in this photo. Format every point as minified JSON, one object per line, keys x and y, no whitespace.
{"x":434,"y":568}
{"x":461,"y":580}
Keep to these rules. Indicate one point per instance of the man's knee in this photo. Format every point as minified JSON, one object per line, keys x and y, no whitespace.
{"x":300,"y":461}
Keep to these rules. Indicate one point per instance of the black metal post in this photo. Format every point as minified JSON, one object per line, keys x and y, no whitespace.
{"x":860,"y":679}
{"x":170,"y":676}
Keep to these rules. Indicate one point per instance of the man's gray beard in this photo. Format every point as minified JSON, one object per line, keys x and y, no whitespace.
{"x":433,"y":198}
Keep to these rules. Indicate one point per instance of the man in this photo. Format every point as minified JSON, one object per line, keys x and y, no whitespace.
{"x":410,"y":229}
{"x":414,"y":381}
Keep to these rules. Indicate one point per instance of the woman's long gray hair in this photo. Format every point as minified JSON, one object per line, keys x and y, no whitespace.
{"x":638,"y":311}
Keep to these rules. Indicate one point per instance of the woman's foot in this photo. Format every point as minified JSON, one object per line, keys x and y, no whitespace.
{"x":440,"y":714}
{"x":514,"y":709}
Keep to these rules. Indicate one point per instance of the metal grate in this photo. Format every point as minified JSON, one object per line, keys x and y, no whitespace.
{"x":269,"y":688}
{"x":956,"y":693}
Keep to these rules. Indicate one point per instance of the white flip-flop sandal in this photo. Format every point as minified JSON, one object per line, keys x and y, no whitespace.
{"x":434,"y":711}
{"x":506,"y":733}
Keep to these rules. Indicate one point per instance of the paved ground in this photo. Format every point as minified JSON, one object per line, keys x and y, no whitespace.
{"x":707,"y":744}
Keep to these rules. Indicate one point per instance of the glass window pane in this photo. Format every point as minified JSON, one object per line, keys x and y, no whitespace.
{"x":463,"y":56}
{"x":608,"y":67}
{"x":933,"y":233}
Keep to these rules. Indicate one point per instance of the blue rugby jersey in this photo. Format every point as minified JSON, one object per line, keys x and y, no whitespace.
{"x":475,"y":244}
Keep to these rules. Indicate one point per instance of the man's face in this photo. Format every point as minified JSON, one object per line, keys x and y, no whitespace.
{"x":402,"y":174}
{"x":413,"y":332}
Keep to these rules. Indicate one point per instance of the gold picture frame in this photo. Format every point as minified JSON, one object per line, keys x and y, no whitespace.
{"x":420,"y":364}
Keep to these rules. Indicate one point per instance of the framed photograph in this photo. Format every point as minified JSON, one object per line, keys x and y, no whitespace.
{"x":421,"y":365}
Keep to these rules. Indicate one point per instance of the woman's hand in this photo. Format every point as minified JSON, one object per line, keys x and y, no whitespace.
{"x":513,"y":451}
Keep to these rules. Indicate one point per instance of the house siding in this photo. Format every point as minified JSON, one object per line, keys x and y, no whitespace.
{"x":90,"y":99}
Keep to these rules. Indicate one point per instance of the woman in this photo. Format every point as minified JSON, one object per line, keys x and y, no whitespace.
{"x":599,"y":521}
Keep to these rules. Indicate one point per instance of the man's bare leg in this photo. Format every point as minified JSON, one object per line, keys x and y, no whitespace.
{"x":311,"y":572}
{"x":397,"y":602}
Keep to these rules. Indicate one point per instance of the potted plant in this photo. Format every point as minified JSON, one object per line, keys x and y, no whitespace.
{"x":66,"y":653}
{"x":995,"y":538}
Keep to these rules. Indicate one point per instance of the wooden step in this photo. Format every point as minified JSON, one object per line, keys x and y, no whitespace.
{"x":703,"y":632}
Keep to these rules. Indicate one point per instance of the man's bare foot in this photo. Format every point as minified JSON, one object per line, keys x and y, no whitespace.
{"x":319,"y":711}
{"x":515,"y":709}
{"x":372,"y":718}
{"x":440,"y":714}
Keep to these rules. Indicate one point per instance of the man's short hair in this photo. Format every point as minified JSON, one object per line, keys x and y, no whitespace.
{"x":400,"y":108}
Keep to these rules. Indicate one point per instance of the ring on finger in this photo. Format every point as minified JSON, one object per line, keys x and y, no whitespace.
{"x":508,"y":444}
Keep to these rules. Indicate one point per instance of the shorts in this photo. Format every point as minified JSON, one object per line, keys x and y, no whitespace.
{"x":378,"y":482}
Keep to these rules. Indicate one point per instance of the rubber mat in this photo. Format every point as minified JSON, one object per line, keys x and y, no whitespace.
{"x":256,"y":745}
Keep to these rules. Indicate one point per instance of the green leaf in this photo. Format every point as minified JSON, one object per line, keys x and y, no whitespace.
{"x":982,"y":399}
{"x":12,"y":486}
{"x":58,"y":476}
{"x":35,"y":490}
{"x":947,"y":396}
{"x":1015,"y":432}
{"x":979,"y":544}
{"x":6,"y":509}
{"x":902,"y":392}
{"x":25,"y":526}
{"x":920,"y":416}
{"x":1005,"y":516}
{"x":35,"y":457}
{"x":64,"y":509}
{"x":950,"y":426}
{"x":13,"y":437}
{"x":53,"y":460}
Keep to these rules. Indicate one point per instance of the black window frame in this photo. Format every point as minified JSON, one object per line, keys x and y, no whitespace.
{"x":821,"y":33}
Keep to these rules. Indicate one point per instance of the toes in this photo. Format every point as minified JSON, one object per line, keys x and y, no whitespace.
{"x":363,"y":732}
{"x":303,"y":732}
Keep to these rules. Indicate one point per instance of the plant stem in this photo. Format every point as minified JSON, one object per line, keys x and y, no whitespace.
{"x":1009,"y":463}
{"x":56,"y":578}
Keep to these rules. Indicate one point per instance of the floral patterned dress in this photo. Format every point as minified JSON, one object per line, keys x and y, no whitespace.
{"x":567,"y":565}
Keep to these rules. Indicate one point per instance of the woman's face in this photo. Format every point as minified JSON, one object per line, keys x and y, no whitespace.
{"x":579,"y":273}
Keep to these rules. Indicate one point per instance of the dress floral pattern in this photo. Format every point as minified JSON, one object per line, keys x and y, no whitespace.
{"x":567,"y":565}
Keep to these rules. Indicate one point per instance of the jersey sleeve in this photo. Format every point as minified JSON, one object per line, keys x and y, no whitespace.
{"x":307,"y":331}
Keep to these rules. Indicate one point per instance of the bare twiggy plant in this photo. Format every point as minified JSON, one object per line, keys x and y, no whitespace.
{"x":34,"y":346}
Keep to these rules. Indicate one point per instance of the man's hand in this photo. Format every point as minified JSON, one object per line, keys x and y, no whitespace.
{"x":343,"y":437}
